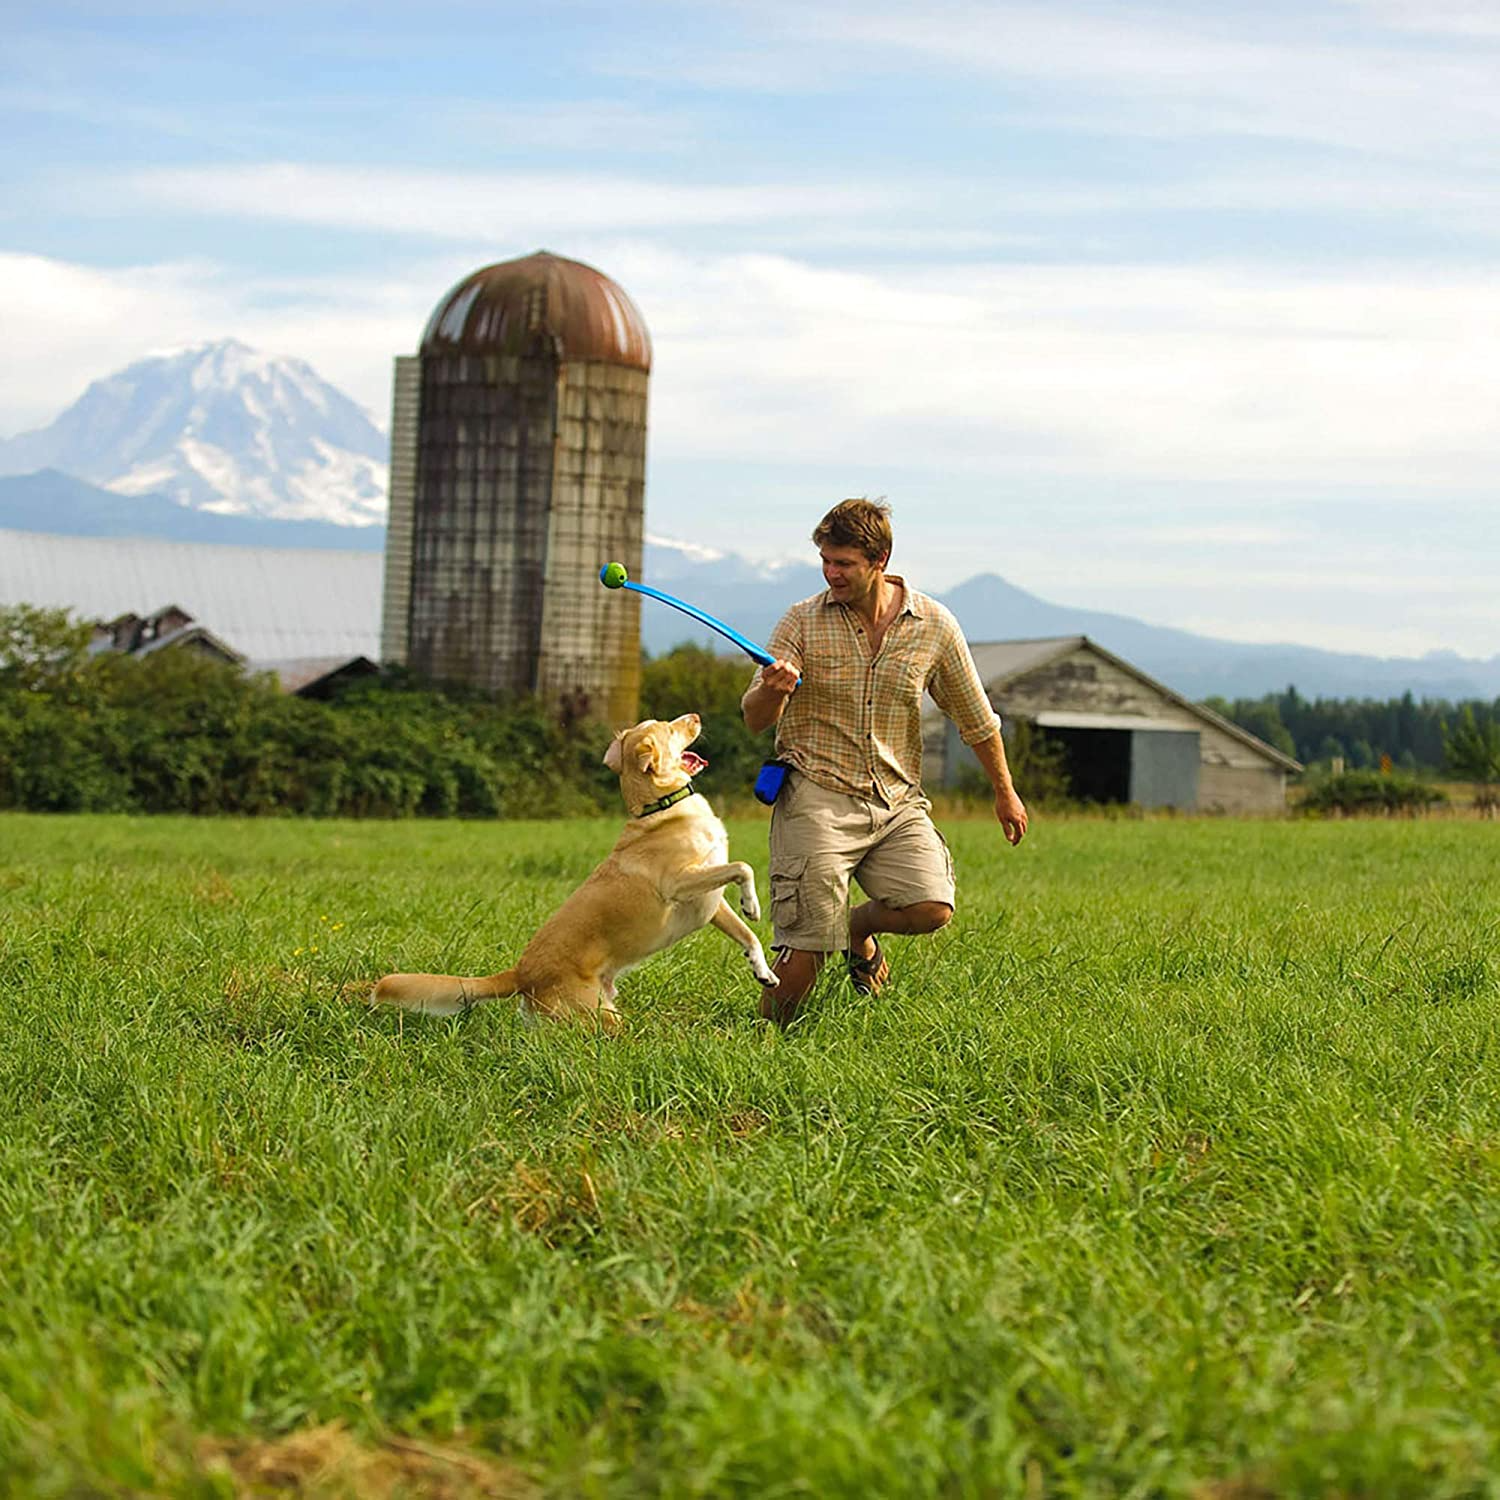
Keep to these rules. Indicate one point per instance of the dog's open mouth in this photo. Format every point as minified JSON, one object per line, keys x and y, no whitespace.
{"x":692,"y":763}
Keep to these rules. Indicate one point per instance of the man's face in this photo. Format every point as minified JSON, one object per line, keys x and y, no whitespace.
{"x":850,"y":575}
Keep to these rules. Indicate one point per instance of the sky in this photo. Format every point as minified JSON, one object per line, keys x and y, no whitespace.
{"x":1187,"y":311}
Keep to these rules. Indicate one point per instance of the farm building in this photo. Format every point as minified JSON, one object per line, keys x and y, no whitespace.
{"x":303,"y":613}
{"x":170,"y":628}
{"x":518,"y":468}
{"x":1125,"y":737}
{"x":173,"y":629}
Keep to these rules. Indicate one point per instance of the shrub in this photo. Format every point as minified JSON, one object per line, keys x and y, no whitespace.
{"x":177,"y":732}
{"x":1367,"y":792}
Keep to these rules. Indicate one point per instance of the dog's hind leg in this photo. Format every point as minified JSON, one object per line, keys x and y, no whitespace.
{"x":728,"y":922}
{"x":442,"y":994}
{"x":590,"y":1001}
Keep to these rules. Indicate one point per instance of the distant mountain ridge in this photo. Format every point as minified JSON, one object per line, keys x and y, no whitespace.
{"x":59,"y":505}
{"x":752,"y":599}
{"x":223,"y":428}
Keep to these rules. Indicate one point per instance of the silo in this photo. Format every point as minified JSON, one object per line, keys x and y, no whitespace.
{"x":518,"y":467}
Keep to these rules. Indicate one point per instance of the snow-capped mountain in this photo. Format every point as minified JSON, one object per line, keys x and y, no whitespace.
{"x":219,"y":427}
{"x":668,"y":559}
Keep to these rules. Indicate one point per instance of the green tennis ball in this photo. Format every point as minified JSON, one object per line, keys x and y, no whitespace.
{"x":613,"y":575}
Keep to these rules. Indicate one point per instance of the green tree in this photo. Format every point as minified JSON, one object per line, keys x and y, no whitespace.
{"x":1264,"y":722}
{"x":41,"y":649}
{"x":1472,"y":750}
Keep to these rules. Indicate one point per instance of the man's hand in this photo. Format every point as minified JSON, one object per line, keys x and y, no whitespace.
{"x":1010,"y":812}
{"x":763,"y":704}
{"x":781,"y":677}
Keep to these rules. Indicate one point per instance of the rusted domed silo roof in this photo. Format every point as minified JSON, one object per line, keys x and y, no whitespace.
{"x":497,"y":309}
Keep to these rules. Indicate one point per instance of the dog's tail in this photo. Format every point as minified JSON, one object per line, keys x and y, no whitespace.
{"x":442,"y":994}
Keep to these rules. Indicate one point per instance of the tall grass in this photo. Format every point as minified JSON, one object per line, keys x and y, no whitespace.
{"x":1170,"y":1168}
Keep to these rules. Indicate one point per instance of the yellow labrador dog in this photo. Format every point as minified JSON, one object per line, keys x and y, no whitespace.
{"x":662,"y":880}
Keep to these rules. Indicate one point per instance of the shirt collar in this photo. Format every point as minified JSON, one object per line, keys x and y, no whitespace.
{"x":911,"y":600}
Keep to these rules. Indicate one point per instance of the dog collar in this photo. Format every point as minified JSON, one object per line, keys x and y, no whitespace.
{"x":662,"y":803}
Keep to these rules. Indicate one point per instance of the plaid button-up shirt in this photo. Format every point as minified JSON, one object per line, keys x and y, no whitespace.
{"x":854,"y":725}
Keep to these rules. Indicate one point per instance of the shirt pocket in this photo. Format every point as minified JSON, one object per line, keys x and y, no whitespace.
{"x":906,"y":668}
{"x":832,"y":668}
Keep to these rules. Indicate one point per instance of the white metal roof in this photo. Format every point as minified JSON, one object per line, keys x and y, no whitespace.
{"x":1050,"y":719}
{"x":999,"y":661}
{"x":267,"y":602}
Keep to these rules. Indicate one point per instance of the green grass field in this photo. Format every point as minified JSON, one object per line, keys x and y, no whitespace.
{"x":1171,"y":1168}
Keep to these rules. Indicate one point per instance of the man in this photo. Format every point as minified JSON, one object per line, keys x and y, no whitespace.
{"x":852,"y":805}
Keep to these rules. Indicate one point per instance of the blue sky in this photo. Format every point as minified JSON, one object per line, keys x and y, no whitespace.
{"x":1190,"y":311}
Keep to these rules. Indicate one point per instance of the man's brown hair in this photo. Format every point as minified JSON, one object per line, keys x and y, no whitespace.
{"x":864,"y":525}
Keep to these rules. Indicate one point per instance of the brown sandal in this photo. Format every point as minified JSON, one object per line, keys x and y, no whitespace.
{"x":864,"y":972}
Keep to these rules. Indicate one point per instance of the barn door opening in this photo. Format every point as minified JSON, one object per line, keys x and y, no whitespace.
{"x":1097,"y":761}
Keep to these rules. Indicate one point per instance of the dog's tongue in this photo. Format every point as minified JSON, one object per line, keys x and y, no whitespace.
{"x":692,"y":763}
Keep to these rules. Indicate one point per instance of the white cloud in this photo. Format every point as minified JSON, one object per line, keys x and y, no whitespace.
{"x":1116,"y":371}
{"x":77,"y":323}
{"x":938,"y":216}
{"x":1223,"y":534}
{"x":505,"y":205}
{"x":69,"y":324}
{"x":1463,"y":19}
{"x":579,"y":125}
{"x":1273,"y":73}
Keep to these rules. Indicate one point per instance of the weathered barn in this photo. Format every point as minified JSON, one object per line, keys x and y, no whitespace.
{"x":518,"y":468}
{"x":1125,"y":737}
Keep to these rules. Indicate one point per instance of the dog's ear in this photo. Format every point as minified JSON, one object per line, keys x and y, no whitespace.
{"x":647,"y":751}
{"x":612,"y":755}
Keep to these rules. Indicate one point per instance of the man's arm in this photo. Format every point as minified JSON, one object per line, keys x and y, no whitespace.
{"x":1009,"y":809}
{"x":765,"y":699}
{"x":957,"y":690}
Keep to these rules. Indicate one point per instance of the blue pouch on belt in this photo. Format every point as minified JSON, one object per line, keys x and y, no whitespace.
{"x":769,"y":783}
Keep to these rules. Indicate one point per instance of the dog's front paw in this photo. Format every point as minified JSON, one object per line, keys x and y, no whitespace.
{"x":749,"y":903}
{"x":761,"y":969}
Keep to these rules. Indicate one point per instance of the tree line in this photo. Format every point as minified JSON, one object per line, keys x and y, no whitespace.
{"x":1431,"y":735}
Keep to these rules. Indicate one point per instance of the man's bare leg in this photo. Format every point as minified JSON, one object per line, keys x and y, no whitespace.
{"x":907,"y":921}
{"x":796,"y":972}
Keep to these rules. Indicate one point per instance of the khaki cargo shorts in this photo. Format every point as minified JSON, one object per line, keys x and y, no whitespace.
{"x":819,"y":839}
